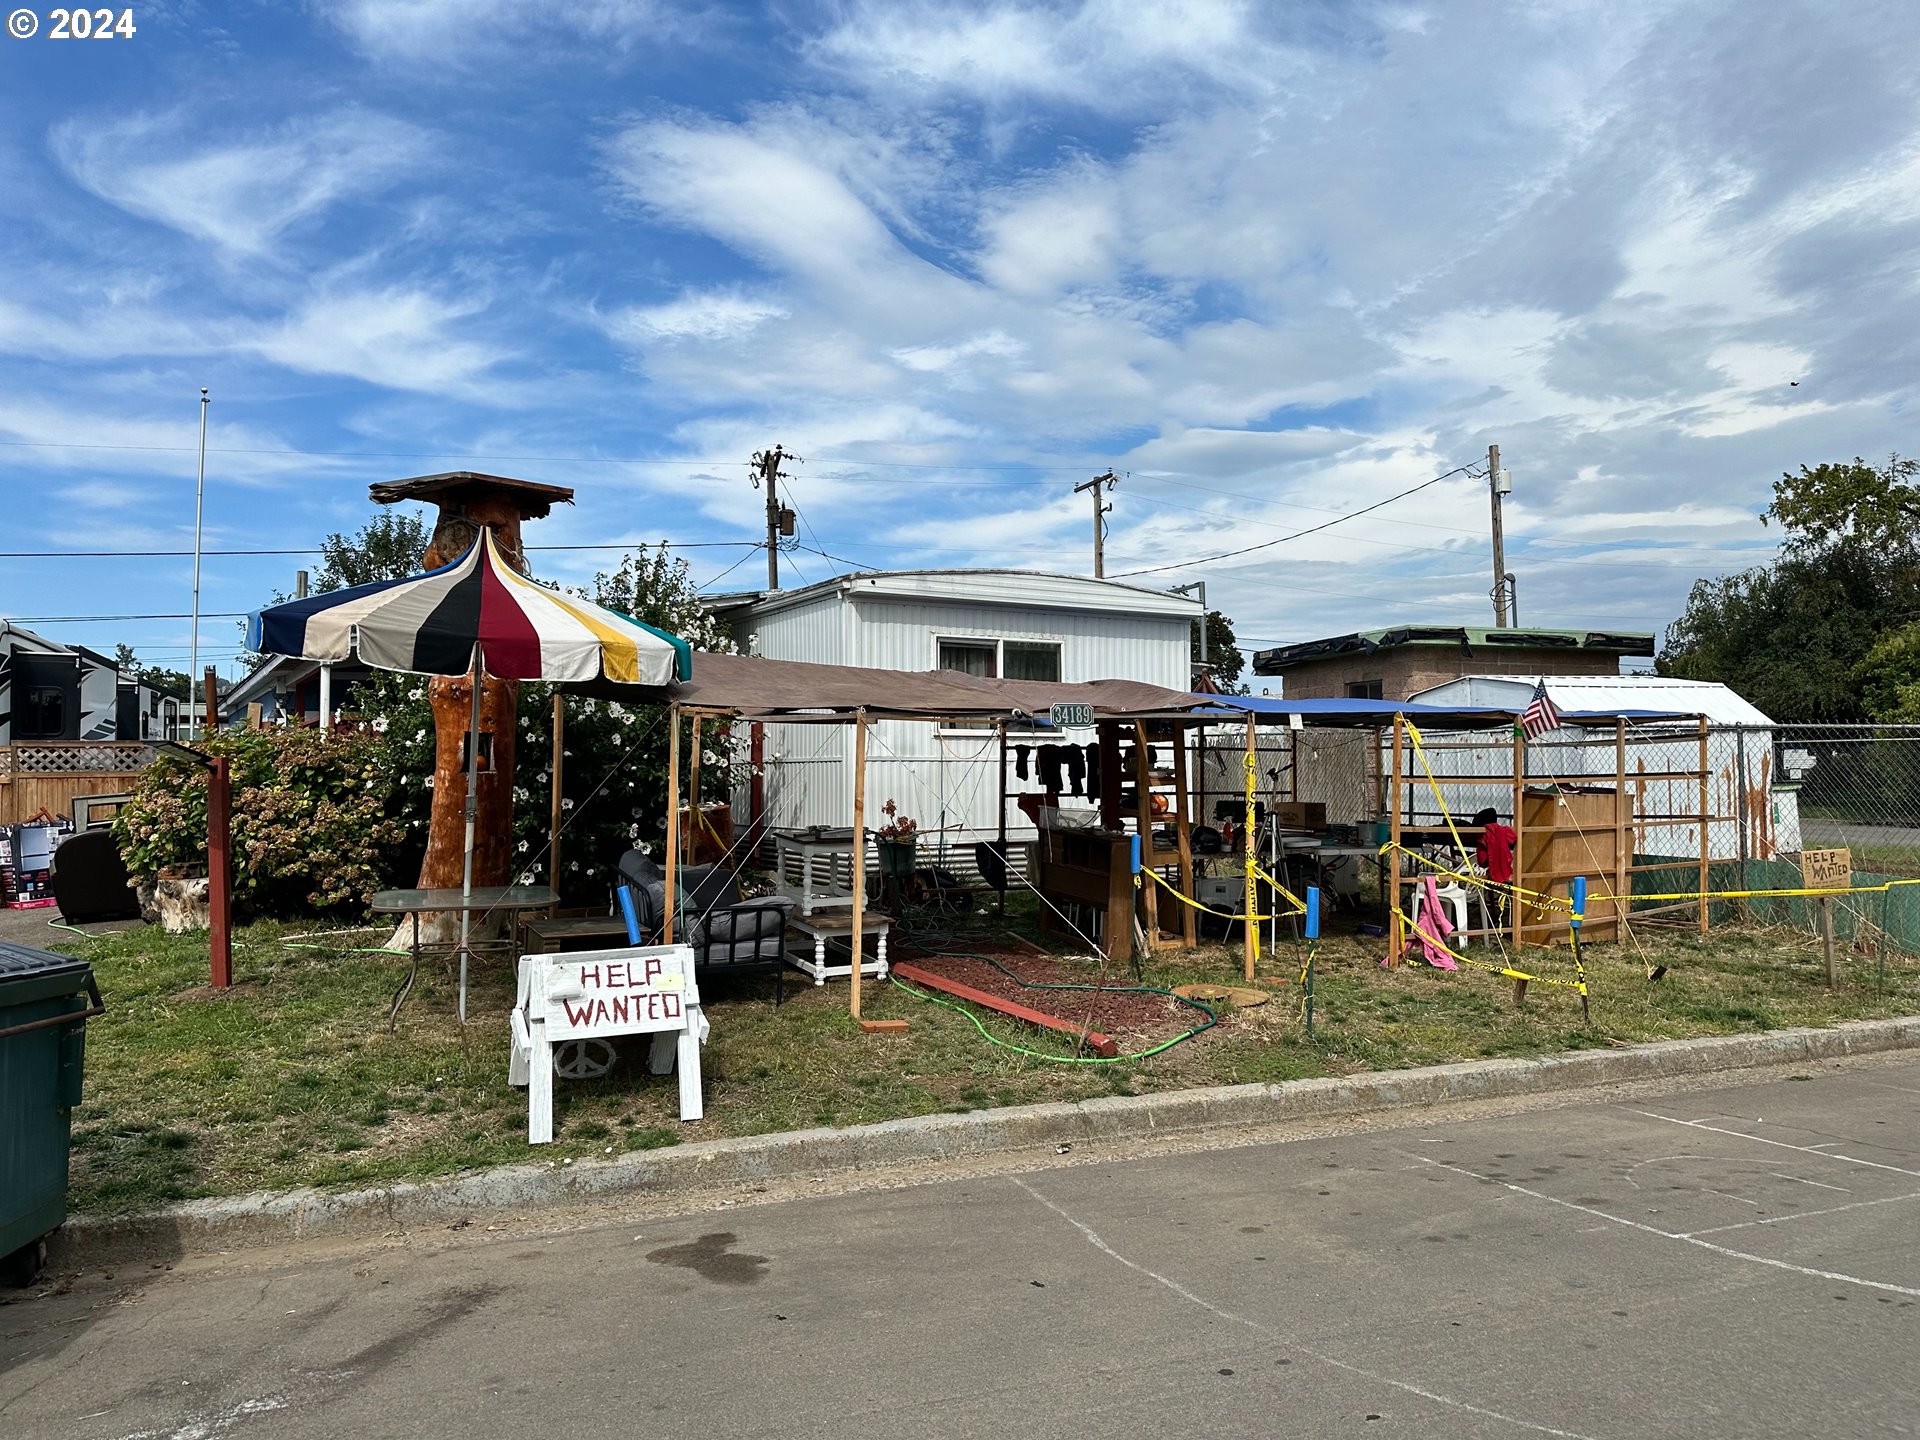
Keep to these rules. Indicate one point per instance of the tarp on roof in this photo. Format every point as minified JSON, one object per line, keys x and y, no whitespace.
{"x":758,"y":688}
{"x":1595,"y":693}
{"x":1380,"y":713}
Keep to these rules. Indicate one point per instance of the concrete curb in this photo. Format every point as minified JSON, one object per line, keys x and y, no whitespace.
{"x":263,"y":1219}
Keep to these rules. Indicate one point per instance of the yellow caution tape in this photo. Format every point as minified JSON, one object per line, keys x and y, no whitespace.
{"x":1577,"y":986}
{"x":1420,"y":754}
{"x":1174,"y":891}
{"x":1481,"y":882}
{"x":1299,"y":905}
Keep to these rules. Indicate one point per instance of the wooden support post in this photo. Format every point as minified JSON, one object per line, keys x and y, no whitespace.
{"x":555,"y":809}
{"x":1111,"y":779}
{"x":220,"y":873}
{"x":1396,"y":929}
{"x":1519,"y":993}
{"x":1005,"y":859}
{"x":673,"y":818}
{"x":1250,"y":840}
{"x":1183,"y":829}
{"x":1706,"y":812}
{"x":756,"y":786}
{"x":1201,"y":814}
{"x":1516,"y":907}
{"x":1143,"y":792}
{"x":856,"y":939}
{"x":1623,"y":833}
{"x":210,"y":714}
{"x":1826,"y":940}
{"x":692,"y":840}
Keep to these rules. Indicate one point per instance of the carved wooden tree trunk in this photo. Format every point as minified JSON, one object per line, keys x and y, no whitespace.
{"x":445,"y":860}
{"x":452,"y":699}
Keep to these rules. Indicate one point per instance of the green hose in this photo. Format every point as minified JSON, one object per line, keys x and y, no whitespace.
{"x":1213,"y":1017}
{"x":85,"y":934}
{"x":350,"y":950}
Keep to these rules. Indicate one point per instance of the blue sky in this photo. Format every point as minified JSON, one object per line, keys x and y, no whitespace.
{"x":1272,"y":263}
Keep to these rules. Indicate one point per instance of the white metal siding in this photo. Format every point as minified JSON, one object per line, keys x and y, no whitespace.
{"x":942,"y":778}
{"x":812,"y":632}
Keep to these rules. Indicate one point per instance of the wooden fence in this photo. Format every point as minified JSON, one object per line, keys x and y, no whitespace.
{"x":47,"y":775}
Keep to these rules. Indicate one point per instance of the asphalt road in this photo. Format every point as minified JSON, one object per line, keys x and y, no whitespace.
{"x":1739,"y":1261}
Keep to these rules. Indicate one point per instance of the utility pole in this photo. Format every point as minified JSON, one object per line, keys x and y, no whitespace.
{"x":1497,"y":487}
{"x":766,"y":467}
{"x":1100,"y":511}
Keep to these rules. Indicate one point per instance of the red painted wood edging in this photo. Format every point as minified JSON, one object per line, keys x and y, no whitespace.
{"x":1104,"y":1046}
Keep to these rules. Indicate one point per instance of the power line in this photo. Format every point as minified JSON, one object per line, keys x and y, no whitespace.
{"x":181,"y":554}
{"x":89,"y":619}
{"x":518,"y":459}
{"x":1581,"y":560}
{"x":1310,"y":530}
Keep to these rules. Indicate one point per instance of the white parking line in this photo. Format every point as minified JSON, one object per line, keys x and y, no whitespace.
{"x":1682,"y":1238}
{"x":1763,"y":1140}
{"x":1094,"y":1239}
{"x":1802,"y":1214}
{"x":1802,"y":1180}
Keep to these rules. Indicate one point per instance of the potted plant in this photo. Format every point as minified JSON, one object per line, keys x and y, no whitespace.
{"x":896,"y":840}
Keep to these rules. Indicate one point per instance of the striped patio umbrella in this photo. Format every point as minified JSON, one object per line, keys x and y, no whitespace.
{"x":477,"y":610}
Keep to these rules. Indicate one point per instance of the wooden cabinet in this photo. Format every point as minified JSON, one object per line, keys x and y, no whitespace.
{"x":1566,"y":833}
{"x":1093,"y":868}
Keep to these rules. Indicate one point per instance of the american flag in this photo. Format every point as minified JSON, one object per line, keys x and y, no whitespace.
{"x":1539,"y":717}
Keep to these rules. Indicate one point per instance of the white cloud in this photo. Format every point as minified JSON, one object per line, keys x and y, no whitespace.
{"x":1117,"y":55}
{"x":710,"y":315}
{"x":71,"y":433}
{"x":400,"y":337}
{"x":772,"y":203}
{"x":1231,"y":453}
{"x":433,"y":31}
{"x":1064,"y":233}
{"x":243,"y":194}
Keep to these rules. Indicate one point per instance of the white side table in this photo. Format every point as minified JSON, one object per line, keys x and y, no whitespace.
{"x":839,"y":926}
{"x":808,"y":870}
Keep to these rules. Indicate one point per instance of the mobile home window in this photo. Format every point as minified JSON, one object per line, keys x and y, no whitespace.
{"x":1028,"y":661}
{"x":971,"y":657}
{"x":44,"y":716}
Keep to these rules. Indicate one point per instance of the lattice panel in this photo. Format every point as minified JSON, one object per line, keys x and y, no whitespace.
{"x":77,"y":757}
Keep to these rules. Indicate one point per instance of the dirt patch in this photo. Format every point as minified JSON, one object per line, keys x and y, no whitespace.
{"x":240,"y":990}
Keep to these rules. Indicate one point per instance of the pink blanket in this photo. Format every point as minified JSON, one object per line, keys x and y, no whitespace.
{"x":1432,"y":925}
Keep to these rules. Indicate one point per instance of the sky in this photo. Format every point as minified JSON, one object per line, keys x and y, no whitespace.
{"x":1272,"y":264}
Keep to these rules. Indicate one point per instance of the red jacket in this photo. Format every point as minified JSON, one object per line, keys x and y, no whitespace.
{"x":1495,"y":851}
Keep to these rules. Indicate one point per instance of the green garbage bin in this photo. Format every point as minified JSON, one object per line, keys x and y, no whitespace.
{"x":45,"y":1003}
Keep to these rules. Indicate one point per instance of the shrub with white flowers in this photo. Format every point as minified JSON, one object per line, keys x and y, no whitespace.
{"x":614,"y":791}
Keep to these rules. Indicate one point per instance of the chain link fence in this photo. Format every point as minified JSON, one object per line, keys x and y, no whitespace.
{"x":1840,"y":787}
{"x":1724,"y":809}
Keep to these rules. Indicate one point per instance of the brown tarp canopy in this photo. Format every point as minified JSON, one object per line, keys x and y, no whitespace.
{"x":757,"y":688}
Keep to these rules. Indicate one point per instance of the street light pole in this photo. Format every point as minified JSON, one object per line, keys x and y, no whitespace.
{"x":199,"y":511}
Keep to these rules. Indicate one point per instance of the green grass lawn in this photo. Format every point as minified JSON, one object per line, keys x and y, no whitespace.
{"x":291,"y":1078}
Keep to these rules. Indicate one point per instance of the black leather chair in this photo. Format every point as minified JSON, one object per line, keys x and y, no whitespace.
{"x":729,"y":936}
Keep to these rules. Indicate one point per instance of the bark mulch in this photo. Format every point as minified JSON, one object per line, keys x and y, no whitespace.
{"x":1134,"y":1019}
